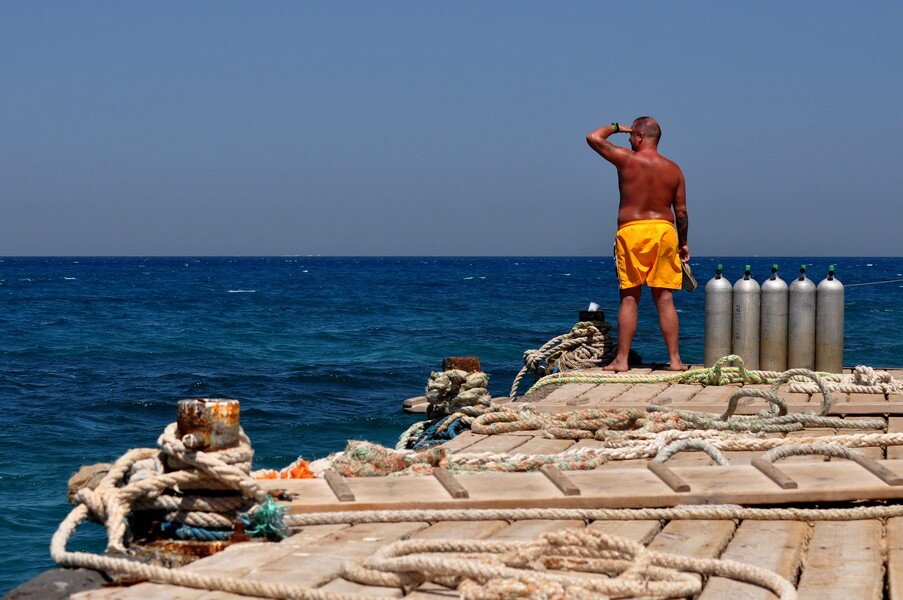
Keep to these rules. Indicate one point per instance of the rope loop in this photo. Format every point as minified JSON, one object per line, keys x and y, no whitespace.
{"x":786,"y":376}
{"x":828,"y":450}
{"x":778,"y":406}
{"x":680,"y":445}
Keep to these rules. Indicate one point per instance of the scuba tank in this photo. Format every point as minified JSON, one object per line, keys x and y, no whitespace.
{"x":829,"y":324}
{"x":801,"y":323}
{"x":718,"y":294}
{"x":746,"y":320}
{"x":773,"y":324}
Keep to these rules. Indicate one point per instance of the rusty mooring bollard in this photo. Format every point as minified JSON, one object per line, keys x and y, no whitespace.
{"x":208,"y":423}
{"x":471,"y":364}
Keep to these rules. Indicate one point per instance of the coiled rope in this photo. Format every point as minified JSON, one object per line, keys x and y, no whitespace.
{"x":116,"y":496}
{"x":586,"y":345}
{"x":539,"y":568}
{"x":863,"y":379}
{"x":605,"y":423}
{"x":449,"y":391}
{"x":629,"y":568}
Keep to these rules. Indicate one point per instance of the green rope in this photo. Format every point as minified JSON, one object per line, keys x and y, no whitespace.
{"x":267,"y":521}
{"x":717,"y":374}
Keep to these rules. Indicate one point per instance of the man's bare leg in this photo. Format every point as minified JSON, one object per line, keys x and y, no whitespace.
{"x":630,"y":299}
{"x":668,"y":323}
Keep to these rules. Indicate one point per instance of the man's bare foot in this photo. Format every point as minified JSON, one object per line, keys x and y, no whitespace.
{"x":617,"y":366}
{"x":678,"y":366}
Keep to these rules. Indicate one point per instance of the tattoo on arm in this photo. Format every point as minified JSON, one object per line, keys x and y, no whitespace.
{"x":683,"y":224}
{"x":601,"y":144}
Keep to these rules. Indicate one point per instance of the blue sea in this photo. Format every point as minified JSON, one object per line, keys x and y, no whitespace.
{"x":95,"y":352}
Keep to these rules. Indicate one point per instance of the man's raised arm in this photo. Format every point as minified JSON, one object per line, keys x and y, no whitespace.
{"x":681,"y":219}
{"x":598,"y":141}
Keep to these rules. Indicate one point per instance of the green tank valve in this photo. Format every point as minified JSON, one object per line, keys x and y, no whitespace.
{"x":802,"y":268}
{"x":720,"y":267}
{"x":774,"y":268}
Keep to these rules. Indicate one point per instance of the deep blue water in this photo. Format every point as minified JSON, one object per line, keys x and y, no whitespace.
{"x":95,"y":352}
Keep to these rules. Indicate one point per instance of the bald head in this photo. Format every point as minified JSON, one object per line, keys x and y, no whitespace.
{"x":649,"y":128}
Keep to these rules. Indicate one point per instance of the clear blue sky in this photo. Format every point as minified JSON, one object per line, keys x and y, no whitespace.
{"x":452,"y":128}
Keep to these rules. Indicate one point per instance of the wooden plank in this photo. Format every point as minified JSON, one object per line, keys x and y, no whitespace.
{"x":895,"y":558}
{"x":498,"y":443}
{"x":797,"y":398}
{"x":690,"y":457}
{"x":872,"y":452}
{"x":568,"y":391}
{"x":640,"y":531}
{"x":463,"y":441}
{"x":320,"y":562}
{"x":448,"y":481}
{"x":678,"y":393}
{"x":533,"y":528}
{"x":774,"y":545}
{"x":343,"y":586}
{"x":600,"y":395}
{"x":540,"y":445}
{"x":561,"y":481}
{"x":713,"y":394}
{"x":444,"y":530}
{"x":337,"y":483}
{"x":781,"y":479}
{"x":377,"y":490}
{"x":151,"y":591}
{"x":844,"y":561}
{"x":641,"y":393}
{"x":834,"y":481}
{"x":839,"y":398}
{"x":857,"y":398}
{"x":632,"y":463}
{"x":588,"y":444}
{"x":669,"y":477}
{"x":878,"y":470}
{"x":895,"y":425}
{"x":240,"y":559}
{"x":311,"y":557}
{"x":453,"y":530}
{"x":698,"y":539}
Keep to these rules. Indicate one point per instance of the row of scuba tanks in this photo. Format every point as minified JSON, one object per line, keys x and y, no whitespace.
{"x":775,"y":327}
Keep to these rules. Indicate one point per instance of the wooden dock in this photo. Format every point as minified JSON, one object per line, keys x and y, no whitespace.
{"x":860,"y":559}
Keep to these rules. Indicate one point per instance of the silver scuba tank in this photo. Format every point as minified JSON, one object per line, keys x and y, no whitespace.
{"x":718,"y":297}
{"x":801,"y":323}
{"x":746,"y":320}
{"x":829,"y":324}
{"x":773,"y":324}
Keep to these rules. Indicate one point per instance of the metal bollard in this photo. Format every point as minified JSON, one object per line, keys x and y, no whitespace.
{"x":471,"y":364}
{"x":208,"y":423}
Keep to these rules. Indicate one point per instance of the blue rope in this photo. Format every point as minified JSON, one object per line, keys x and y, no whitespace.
{"x":267,"y":522}
{"x":430,"y":437}
{"x":185,"y":532}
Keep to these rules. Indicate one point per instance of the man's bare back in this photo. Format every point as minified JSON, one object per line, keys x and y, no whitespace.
{"x":652,"y":188}
{"x":649,"y":183}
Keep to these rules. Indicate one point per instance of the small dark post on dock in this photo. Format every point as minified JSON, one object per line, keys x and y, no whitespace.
{"x":471,"y":364}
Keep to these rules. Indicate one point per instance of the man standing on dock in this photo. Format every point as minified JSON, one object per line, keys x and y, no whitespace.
{"x":648,"y":250}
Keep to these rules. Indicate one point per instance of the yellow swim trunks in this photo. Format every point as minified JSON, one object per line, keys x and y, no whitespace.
{"x":646,"y":253}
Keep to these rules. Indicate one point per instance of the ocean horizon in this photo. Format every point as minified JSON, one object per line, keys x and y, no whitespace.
{"x":96,"y":351}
